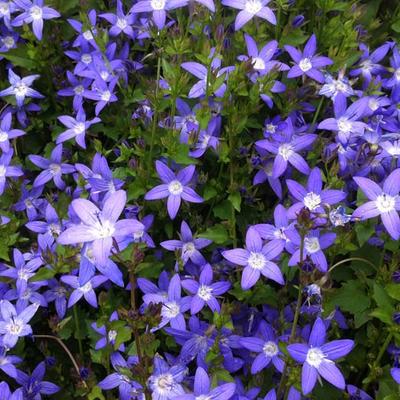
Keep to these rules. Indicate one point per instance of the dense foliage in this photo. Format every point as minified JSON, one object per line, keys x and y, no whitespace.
{"x":199,"y":199}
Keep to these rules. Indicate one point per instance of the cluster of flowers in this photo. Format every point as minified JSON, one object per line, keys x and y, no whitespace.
{"x":361,"y":131}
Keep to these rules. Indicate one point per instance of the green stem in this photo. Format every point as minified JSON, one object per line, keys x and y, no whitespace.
{"x":231,"y":187}
{"x":321,"y":101}
{"x":352,"y":259}
{"x":78,"y":331}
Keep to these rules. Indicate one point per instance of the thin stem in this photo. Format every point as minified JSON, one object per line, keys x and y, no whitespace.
{"x":321,"y":101}
{"x":351,"y":259}
{"x":78,"y":331}
{"x":61,"y":343}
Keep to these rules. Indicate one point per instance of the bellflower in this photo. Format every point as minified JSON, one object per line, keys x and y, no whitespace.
{"x":6,"y":133}
{"x":77,"y":89}
{"x":202,"y":388}
{"x":204,"y":291}
{"x":76,"y":127}
{"x":99,"y":226}
{"x":207,"y":138}
{"x":21,"y":88}
{"x":34,"y":12}
{"x":256,"y":259}
{"x":153,"y":293}
{"x":158,"y":8}
{"x":7,"y":364}
{"x":86,"y":32}
{"x":186,"y":121}
{"x":267,"y":348}
{"x":175,"y":187}
{"x":357,"y":394}
{"x":318,"y":358}
{"x":103,"y":93}
{"x":249,"y":9}
{"x":383,"y":201}
{"x":120,"y":22}
{"x":13,"y":323}
{"x":306,"y":63}
{"x":313,"y":197}
{"x":53,"y":169}
{"x":6,"y":9}
{"x":29,"y":296}
{"x":108,"y":336}
{"x":394,"y":82}
{"x":7,"y":170}
{"x":57,"y":293}
{"x":189,"y":247}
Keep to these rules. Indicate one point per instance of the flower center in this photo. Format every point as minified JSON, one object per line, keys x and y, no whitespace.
{"x":385,"y":203}
{"x":312,"y":201}
{"x":312,"y":245}
{"x":86,"y":58}
{"x":2,"y":170}
{"x":3,"y":136}
{"x":164,"y":383}
{"x":188,"y":249}
{"x":104,"y":75}
{"x":256,"y":261}
{"x":271,"y":128}
{"x":8,"y":42}
{"x":315,"y":356}
{"x":105,"y":96}
{"x":205,"y":292}
{"x":344,"y":125}
{"x":4,"y":8}
{"x":158,"y":4}
{"x":205,"y":141}
{"x":60,"y":291}
{"x":121,"y":23}
{"x":79,"y":128}
{"x":285,"y":150}
{"x":87,"y":287}
{"x":54,"y":229}
{"x":106,"y":229}
{"x":258,"y":63}
{"x":270,"y":349}
{"x":79,"y":89}
{"x":27,"y":294}
{"x":253,"y":6}
{"x":20,"y":89}
{"x":55,"y":168}
{"x":171,"y":309}
{"x":373,"y":104}
{"x":305,"y":64}
{"x":23,"y":275}
{"x":397,"y":74}
{"x":366,"y":65}
{"x":175,"y":187}
{"x":15,"y":327}
{"x":112,"y":335}
{"x":138,"y":235}
{"x":280,"y":234}
{"x":88,"y":35}
{"x":36,"y":12}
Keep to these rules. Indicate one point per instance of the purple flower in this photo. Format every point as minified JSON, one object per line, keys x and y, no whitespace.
{"x":108,"y":336}
{"x":249,"y":9}
{"x":395,"y":372}
{"x":7,"y":170}
{"x":30,"y":201}
{"x":159,"y":9}
{"x":383,"y":201}
{"x":77,"y":89}
{"x":189,"y":247}
{"x":7,"y":364}
{"x":318,"y":358}
{"x":202,"y":388}
{"x":20,"y":88}
{"x":6,"y":133}
{"x":53,"y":169}
{"x":207,"y":138}
{"x":120,"y":22}
{"x":358,"y":394}
{"x":175,"y":187}
{"x":34,"y":12}
{"x":34,"y":386}
{"x":306,"y":63}
{"x":313,"y":197}
{"x":394,"y":82}
{"x":13,"y":323}
{"x":204,"y":290}
{"x":58,"y":294}
{"x":103,"y":93}
{"x":152,"y":293}
{"x":186,"y":121}
{"x":256,"y":259}
{"x":266,"y":346}
{"x":99,"y":227}
{"x":5,"y":393}
{"x":77,"y":127}
{"x":28,"y":296}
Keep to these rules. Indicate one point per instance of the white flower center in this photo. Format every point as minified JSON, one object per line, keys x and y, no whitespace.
{"x":253,"y":6}
{"x":27,"y":294}
{"x":112,"y":335}
{"x":373,"y":104}
{"x":4,"y":8}
{"x":23,"y":275}
{"x":341,"y":86}
{"x":158,"y":4}
{"x":366,"y":65}
{"x":344,"y":125}
{"x":105,"y":96}
{"x":105,"y":229}
{"x":121,"y":23}
{"x":88,"y":35}
{"x":104,"y":75}
{"x":312,"y":201}
{"x":170,"y":309}
{"x":285,"y":150}
{"x":86,"y":58}
{"x":87,"y":287}
{"x":60,"y":291}
{"x":205,"y":141}
{"x":315,"y":357}
{"x":138,"y":235}
{"x":79,"y":89}
{"x":270,"y":349}
{"x":258,"y":63}
{"x":188,"y":249}
{"x":385,"y":203}
{"x":3,"y":136}
{"x":256,"y":261}
{"x":397,"y":74}
{"x":305,"y":64}
{"x":205,"y":292}
{"x":79,"y":128}
{"x":20,"y":89}
{"x":54,"y":229}
{"x":8,"y":42}
{"x":36,"y":12}
{"x":280,"y":234}
{"x":15,"y":326}
{"x":2,"y":170}
{"x":164,"y":383}
{"x":55,"y":168}
{"x":312,"y":245}
{"x":175,"y":187}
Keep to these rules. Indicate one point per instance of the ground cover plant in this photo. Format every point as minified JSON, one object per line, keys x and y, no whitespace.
{"x":199,"y":199}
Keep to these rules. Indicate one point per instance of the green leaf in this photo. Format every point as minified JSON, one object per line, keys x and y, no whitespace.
{"x":382,"y":299}
{"x":209,"y":192}
{"x":235,"y":200}
{"x":218,"y":234}
{"x":18,"y":57}
{"x":222,"y":210}
{"x":43,"y":274}
{"x":393,"y":290}
{"x":364,"y":231}
{"x":96,"y":394}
